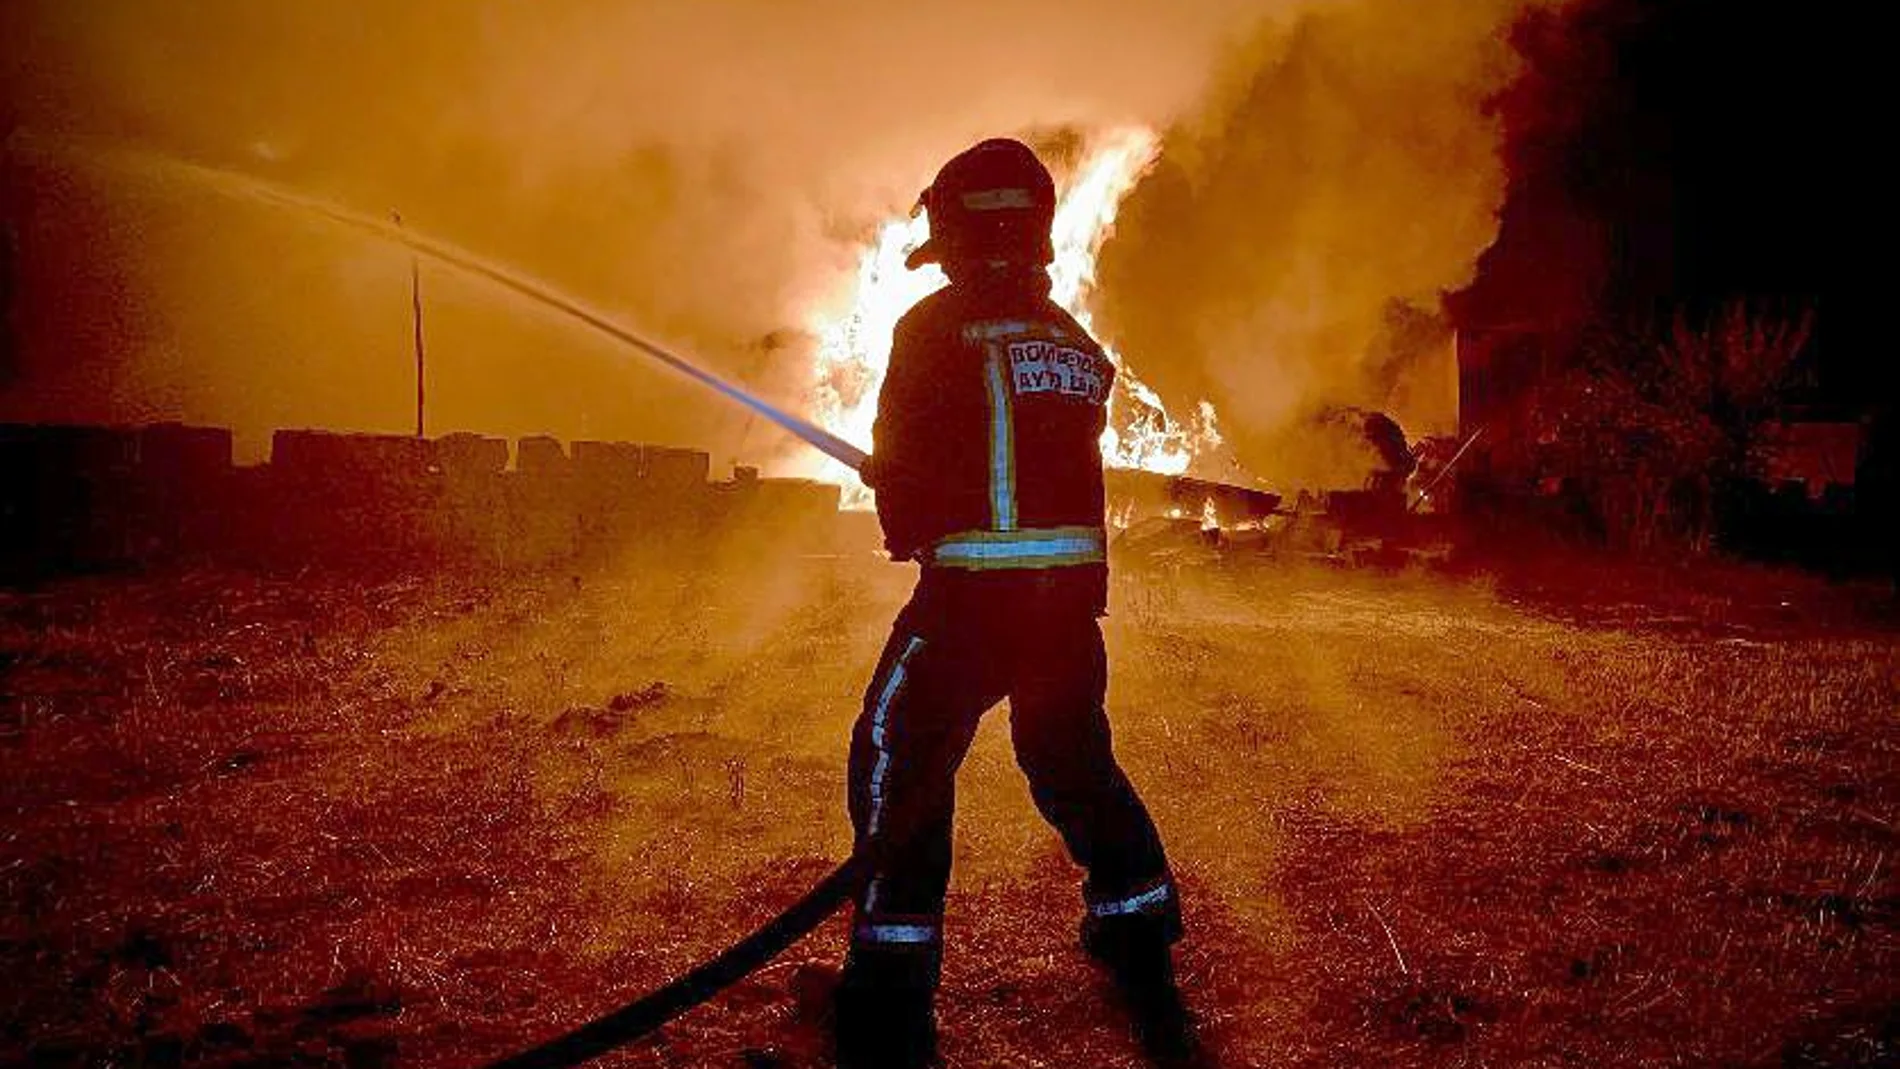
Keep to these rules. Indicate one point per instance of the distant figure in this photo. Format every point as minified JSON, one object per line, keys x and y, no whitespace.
{"x":988,"y":473}
{"x":1396,"y":459}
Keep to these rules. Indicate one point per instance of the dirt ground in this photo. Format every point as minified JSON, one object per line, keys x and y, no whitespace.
{"x":1419,"y":820}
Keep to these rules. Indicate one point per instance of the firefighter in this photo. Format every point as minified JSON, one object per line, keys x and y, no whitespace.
{"x":987,"y":472}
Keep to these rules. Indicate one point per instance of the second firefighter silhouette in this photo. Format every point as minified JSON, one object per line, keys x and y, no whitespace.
{"x":987,"y":468}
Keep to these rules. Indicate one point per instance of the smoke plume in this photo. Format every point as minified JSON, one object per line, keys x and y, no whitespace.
{"x":1288,"y":254}
{"x":706,"y":172}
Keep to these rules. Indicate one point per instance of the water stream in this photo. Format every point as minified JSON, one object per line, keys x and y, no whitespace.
{"x":242,"y":186}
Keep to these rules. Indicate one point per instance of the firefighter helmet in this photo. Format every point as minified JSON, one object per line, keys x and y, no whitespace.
{"x":993,"y":201}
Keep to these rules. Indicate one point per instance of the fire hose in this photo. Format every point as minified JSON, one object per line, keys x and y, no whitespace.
{"x":648,"y":1013}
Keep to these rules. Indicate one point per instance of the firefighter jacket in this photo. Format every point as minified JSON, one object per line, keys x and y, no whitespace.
{"x":987,"y":445}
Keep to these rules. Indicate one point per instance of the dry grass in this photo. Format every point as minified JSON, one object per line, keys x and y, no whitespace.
{"x":319,"y":820}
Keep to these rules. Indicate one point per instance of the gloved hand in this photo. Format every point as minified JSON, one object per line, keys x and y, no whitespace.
{"x":870,"y":472}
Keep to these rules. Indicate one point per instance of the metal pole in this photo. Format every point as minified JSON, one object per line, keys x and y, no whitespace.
{"x":1444,"y":471}
{"x":415,"y":317}
{"x":415,"y":306}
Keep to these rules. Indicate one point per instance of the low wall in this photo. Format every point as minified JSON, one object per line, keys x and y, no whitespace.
{"x":78,"y":498}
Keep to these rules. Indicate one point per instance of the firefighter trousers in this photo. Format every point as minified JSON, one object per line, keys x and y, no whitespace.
{"x":965,"y":642}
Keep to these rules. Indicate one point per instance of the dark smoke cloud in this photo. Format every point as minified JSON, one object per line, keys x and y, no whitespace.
{"x":1290,"y":252}
{"x":706,"y":171}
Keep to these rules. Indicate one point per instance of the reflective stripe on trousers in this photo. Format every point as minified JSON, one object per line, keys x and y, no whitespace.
{"x":880,"y":727}
{"x":880,"y":742}
{"x":1151,"y":899}
{"x":899,"y":932}
{"x":1037,"y":547}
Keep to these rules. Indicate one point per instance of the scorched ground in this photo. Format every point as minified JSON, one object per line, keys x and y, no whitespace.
{"x":1419,"y":820}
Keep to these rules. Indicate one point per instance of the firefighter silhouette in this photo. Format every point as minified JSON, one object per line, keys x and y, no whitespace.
{"x":988,"y":473}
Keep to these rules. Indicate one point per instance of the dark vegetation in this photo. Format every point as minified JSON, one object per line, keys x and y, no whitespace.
{"x":1648,"y":335}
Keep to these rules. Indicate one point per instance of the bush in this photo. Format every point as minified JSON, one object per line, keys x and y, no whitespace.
{"x":1651,"y":423}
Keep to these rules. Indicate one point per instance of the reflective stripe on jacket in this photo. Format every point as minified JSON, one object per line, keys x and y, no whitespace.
{"x":987,"y":444}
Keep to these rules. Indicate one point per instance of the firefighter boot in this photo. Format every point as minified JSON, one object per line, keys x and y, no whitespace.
{"x":886,"y":1015}
{"x":1136,"y":952}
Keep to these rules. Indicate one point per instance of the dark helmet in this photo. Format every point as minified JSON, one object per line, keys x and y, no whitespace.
{"x":993,"y":201}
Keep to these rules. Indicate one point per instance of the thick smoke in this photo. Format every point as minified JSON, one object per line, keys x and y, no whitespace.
{"x":707,"y":172}
{"x":1289,"y":253}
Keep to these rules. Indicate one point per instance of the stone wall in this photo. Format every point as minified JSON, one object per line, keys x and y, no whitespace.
{"x":78,"y":498}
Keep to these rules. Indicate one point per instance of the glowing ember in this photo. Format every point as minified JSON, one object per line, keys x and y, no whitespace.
{"x":854,"y":348}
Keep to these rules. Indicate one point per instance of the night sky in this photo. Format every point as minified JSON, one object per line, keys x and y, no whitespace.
{"x":1669,"y":155}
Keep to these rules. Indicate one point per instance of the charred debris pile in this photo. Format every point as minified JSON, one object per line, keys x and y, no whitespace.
{"x":1398,"y":511}
{"x":1175,"y":519}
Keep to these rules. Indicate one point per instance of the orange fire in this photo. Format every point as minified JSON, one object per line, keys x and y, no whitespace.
{"x":855,"y":347}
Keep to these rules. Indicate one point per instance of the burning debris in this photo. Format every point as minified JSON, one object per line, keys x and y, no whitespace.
{"x":1393,"y":515}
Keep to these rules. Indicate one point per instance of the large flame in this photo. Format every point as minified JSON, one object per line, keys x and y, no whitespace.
{"x":854,"y":348}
